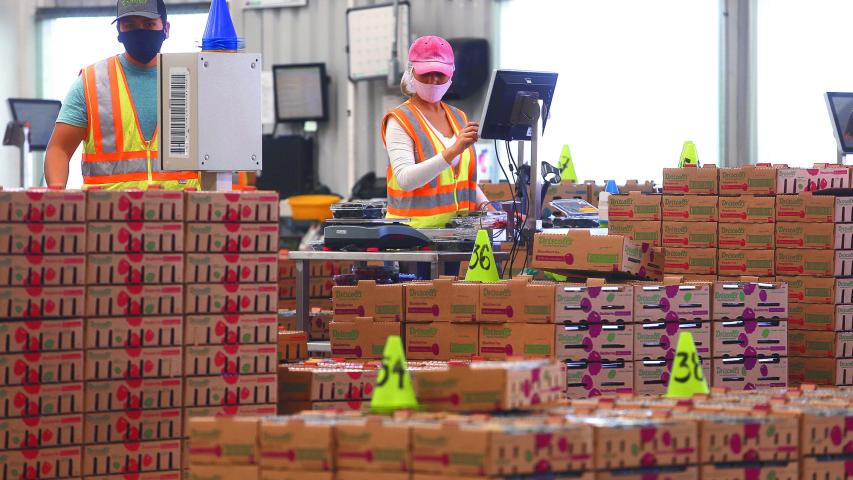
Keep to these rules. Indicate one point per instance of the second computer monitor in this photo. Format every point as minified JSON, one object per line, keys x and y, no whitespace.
{"x":506,"y":86}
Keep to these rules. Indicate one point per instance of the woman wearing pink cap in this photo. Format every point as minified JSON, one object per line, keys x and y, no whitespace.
{"x":432,"y":176}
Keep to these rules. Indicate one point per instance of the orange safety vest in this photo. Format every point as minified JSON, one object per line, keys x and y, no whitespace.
{"x":115,"y":153}
{"x":452,"y":192}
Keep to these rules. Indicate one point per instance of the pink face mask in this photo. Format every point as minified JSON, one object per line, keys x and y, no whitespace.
{"x":430,"y":93}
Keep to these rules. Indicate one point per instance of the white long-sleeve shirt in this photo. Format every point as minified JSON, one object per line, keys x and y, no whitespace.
{"x":401,"y":153}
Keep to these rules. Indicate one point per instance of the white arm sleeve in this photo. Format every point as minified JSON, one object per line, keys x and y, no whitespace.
{"x":401,"y":152}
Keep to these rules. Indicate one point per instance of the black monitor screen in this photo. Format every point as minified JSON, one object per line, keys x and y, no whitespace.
{"x":300,"y":92}
{"x":41,"y":115}
{"x":841,"y":111}
{"x":506,"y":85}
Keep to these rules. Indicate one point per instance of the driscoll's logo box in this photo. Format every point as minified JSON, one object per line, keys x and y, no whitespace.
{"x":748,"y":180}
{"x":691,"y":181}
{"x":747,"y":236}
{"x":634,"y":206}
{"x":690,"y":234}
{"x":819,"y":236}
{"x":689,"y":208}
{"x":747,"y":209}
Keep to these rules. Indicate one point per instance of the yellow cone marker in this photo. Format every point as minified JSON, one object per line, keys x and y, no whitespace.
{"x":689,"y":157}
{"x":687,"y":377}
{"x":394,"y":385}
{"x":482,"y":266}
{"x":566,"y":166}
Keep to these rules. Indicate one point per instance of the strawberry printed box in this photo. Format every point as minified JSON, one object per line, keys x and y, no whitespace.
{"x":132,"y":457}
{"x":133,"y":426}
{"x":750,"y":300}
{"x":232,"y":238}
{"x":42,"y":270}
{"x":152,"y":205}
{"x":632,"y":443}
{"x":312,"y":383}
{"x":41,"y":432}
{"x":672,"y":301}
{"x":231,"y":268}
{"x":133,"y":363}
{"x":235,"y":206}
{"x":230,"y":360}
{"x":41,"y":336}
{"x":594,"y":302}
{"x":134,"y":300}
{"x":656,"y":340}
{"x":43,"y":463}
{"x":135,"y":269}
{"x":135,"y":237}
{"x":750,"y":373}
{"x":750,"y":338}
{"x":229,"y":392}
{"x":42,"y":238}
{"x":583,"y":341}
{"x":133,"y":394}
{"x":231,"y":298}
{"x":40,"y":205}
{"x":230,"y":329}
{"x":41,"y":302}
{"x":38,"y":400}
{"x":587,"y":379}
{"x":134,"y":332}
{"x":33,"y":369}
{"x":732,"y":438}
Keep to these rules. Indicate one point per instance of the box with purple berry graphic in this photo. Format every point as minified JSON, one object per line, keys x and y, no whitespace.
{"x":586,"y":379}
{"x":658,"y":339}
{"x":750,"y":338}
{"x":651,"y":376}
{"x":594,"y":303}
{"x":750,"y":373}
{"x":578,"y":341}
{"x":672,"y":300}
{"x":750,"y":300}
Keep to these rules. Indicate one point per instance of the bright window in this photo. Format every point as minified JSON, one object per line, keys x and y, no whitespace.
{"x":636,"y":80}
{"x":800,"y":56}
{"x":72,"y":43}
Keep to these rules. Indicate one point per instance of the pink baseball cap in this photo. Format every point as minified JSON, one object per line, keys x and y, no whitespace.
{"x":432,"y":54}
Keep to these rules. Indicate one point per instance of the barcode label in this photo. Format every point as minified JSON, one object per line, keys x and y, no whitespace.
{"x":179,"y":106}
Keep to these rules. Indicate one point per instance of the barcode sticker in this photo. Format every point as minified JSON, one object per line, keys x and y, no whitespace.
{"x":179,"y":107}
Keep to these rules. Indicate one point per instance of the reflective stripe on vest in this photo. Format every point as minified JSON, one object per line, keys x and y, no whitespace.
{"x":115,"y":153}
{"x":452,"y":191}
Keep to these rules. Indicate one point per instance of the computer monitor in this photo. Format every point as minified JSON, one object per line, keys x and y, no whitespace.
{"x":41,"y":115}
{"x":301,"y":92}
{"x":497,"y":121}
{"x":840,"y":107}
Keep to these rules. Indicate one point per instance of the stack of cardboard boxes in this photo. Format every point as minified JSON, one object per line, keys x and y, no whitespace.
{"x":134,"y":331}
{"x":223,"y":448}
{"x":336,"y":385}
{"x":364,"y":316}
{"x":636,"y":216}
{"x":42,"y":270}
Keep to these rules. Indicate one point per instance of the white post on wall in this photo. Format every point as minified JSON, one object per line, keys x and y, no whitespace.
{"x":350,"y":126}
{"x":738,"y":117}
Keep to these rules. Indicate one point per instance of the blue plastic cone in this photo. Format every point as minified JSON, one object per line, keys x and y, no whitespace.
{"x":611,"y":187}
{"x":219,"y":34}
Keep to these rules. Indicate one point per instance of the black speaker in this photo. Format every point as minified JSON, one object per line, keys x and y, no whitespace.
{"x":288,"y":165}
{"x":472,"y":66}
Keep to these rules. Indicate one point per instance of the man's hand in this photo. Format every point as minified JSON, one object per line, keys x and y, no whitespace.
{"x":63,"y":143}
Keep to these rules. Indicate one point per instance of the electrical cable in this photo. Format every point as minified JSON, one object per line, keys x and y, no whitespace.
{"x":511,"y":192}
{"x":514,"y":212}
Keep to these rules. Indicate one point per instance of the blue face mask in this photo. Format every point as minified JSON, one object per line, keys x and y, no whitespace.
{"x":143,"y":45}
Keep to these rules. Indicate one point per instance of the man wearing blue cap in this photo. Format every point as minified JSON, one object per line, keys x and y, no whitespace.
{"x":112,"y":109}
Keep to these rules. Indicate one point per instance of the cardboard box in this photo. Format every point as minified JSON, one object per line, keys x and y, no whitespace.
{"x":361,"y":338}
{"x":153,"y":205}
{"x":538,"y":302}
{"x":41,"y":336}
{"x":373,"y":444}
{"x":630,"y":443}
{"x":672,"y":300}
{"x":490,"y":386}
{"x":136,"y":426}
{"x":780,"y":471}
{"x":229,"y":411}
{"x":844,"y":290}
{"x":750,"y":373}
{"x":749,"y":300}
{"x":42,"y":270}
{"x":728,"y":438}
{"x":820,"y":317}
{"x":594,"y":302}
{"x":813,"y":263}
{"x":689,"y":234}
{"x":528,"y":340}
{"x":582,"y":250}
{"x":817,"y":236}
{"x":41,"y":400}
{"x":748,"y":179}
{"x":757,"y":263}
{"x":579,"y":341}
{"x":657,"y":339}
{"x":233,"y":472}
{"x":134,"y":269}
{"x":232,"y":237}
{"x":634,"y":206}
{"x":370,"y":475}
{"x":565,"y":190}
{"x":843,"y":237}
{"x":41,"y":205}
{"x":133,"y":394}
{"x":314,"y":383}
{"x":133,"y":363}
{"x":817,"y":467}
{"x":296,"y":444}
{"x":137,"y":456}
{"x":129,"y":332}
{"x":330,"y":268}
{"x":810,"y":343}
{"x":41,"y":368}
{"x":690,"y":208}
{"x":134,"y":300}
{"x":587,"y":379}
{"x":319,"y":325}
{"x":44,"y":463}
{"x":318,"y":288}
{"x":464,"y":302}
{"x":441,"y":341}
{"x":750,"y":338}
{"x":843,"y":264}
{"x":670,"y":473}
{"x":809,"y":289}
{"x":231,"y":298}
{"x":822,"y":371}
{"x":223,"y":441}
{"x":691,"y":181}
{"x":229,"y":392}
{"x":647,"y":232}
{"x":43,"y":238}
{"x":367,"y":299}
{"x":134,"y":237}
{"x":747,"y":236}
{"x":796,"y":180}
{"x":700,"y":261}
{"x":651,"y":376}
{"x":843,"y":210}
{"x":502,"y":302}
{"x":805,"y":207}
{"x":228,"y":268}
{"x":41,"y":432}
{"x":233,"y":206}
{"x":41,"y":302}
{"x":170,"y":475}
{"x":230,"y":329}
{"x":747,"y":209}
{"x":428,"y":301}
{"x":230,"y":360}
{"x":497,"y":192}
